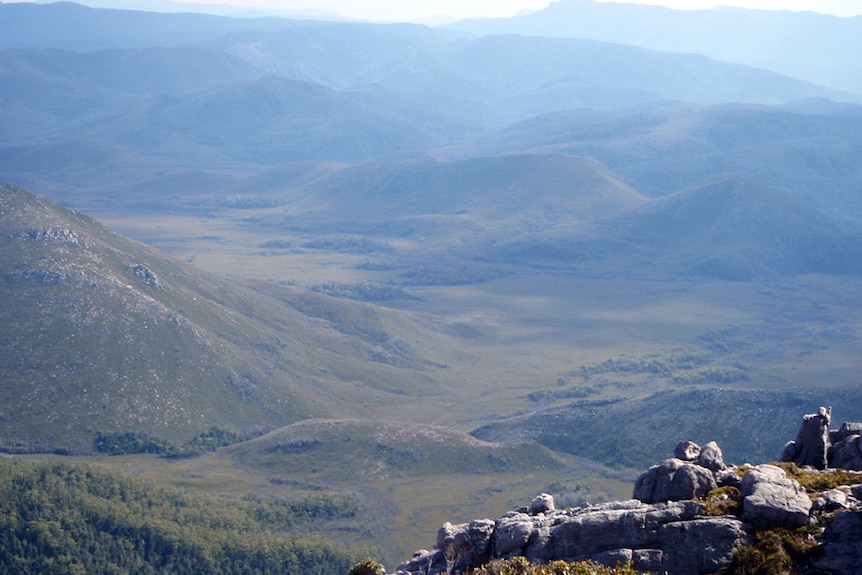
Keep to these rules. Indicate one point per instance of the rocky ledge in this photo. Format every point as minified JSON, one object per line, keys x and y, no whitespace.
{"x":689,"y":514}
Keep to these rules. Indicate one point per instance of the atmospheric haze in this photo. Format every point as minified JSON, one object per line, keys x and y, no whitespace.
{"x":416,"y":10}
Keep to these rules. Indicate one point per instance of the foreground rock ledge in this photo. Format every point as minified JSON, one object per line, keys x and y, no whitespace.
{"x":665,"y":528}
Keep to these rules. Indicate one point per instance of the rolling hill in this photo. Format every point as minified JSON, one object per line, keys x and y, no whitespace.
{"x":348,"y":452}
{"x":726,"y":228}
{"x":806,"y":147}
{"x":489,"y":191}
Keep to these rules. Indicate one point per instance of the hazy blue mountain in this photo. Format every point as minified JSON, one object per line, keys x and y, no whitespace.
{"x":727,"y":228}
{"x":504,"y":78}
{"x":487,"y":191}
{"x":823,"y":49}
{"x":70,"y":26}
{"x":342,"y":92}
{"x":808,"y":149}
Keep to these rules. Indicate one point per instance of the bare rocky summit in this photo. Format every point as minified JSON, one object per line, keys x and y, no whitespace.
{"x":689,"y":514}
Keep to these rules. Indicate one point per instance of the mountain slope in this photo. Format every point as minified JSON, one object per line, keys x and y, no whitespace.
{"x":807,"y":148}
{"x":728,"y":228}
{"x":101,"y":334}
{"x":488,"y":190}
{"x":750,"y":425}
{"x":272,"y":120}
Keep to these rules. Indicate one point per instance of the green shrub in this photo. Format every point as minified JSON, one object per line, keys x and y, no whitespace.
{"x":127,"y":442}
{"x":520,"y":566}
{"x":774,"y":552}
{"x":724,"y":501}
{"x":814,"y":481}
{"x":367,"y":567}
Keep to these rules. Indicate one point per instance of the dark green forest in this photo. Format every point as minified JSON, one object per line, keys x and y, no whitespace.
{"x":57,"y":518}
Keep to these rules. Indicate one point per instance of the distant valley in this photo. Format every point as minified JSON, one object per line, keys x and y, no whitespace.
{"x":414,"y":264}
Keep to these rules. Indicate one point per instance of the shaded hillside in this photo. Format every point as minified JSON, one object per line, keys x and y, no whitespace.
{"x":806,"y":148}
{"x":271,"y":120}
{"x":102,"y":334}
{"x":726,"y":228}
{"x":820,"y":48}
{"x":750,"y":425}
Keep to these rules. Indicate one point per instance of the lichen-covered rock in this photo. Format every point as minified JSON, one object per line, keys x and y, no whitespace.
{"x":654,"y":484}
{"x":847,"y":429}
{"x":728,"y":478}
{"x":663,"y":529}
{"x":691,"y":482}
{"x":770,"y":498}
{"x":829,"y":501}
{"x":512,"y":535}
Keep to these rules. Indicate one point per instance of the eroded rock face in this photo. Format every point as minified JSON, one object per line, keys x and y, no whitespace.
{"x":771,"y":499}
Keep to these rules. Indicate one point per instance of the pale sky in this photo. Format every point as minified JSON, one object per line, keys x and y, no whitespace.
{"x":398,"y":10}
{"x":415,"y":10}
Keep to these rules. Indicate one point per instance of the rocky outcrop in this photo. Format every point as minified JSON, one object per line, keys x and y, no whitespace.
{"x":672,"y":525}
{"x":677,"y":537}
{"x":674,"y":480}
{"x":693,"y":472}
{"x":819,"y":447}
{"x":846,"y":449}
{"x":811,"y":446}
{"x":771,"y":499}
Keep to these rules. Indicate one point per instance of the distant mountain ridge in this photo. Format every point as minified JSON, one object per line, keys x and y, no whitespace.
{"x":819,"y":48}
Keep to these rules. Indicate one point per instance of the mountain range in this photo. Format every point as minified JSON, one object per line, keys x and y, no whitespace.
{"x":817,"y":47}
{"x":424,"y":263}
